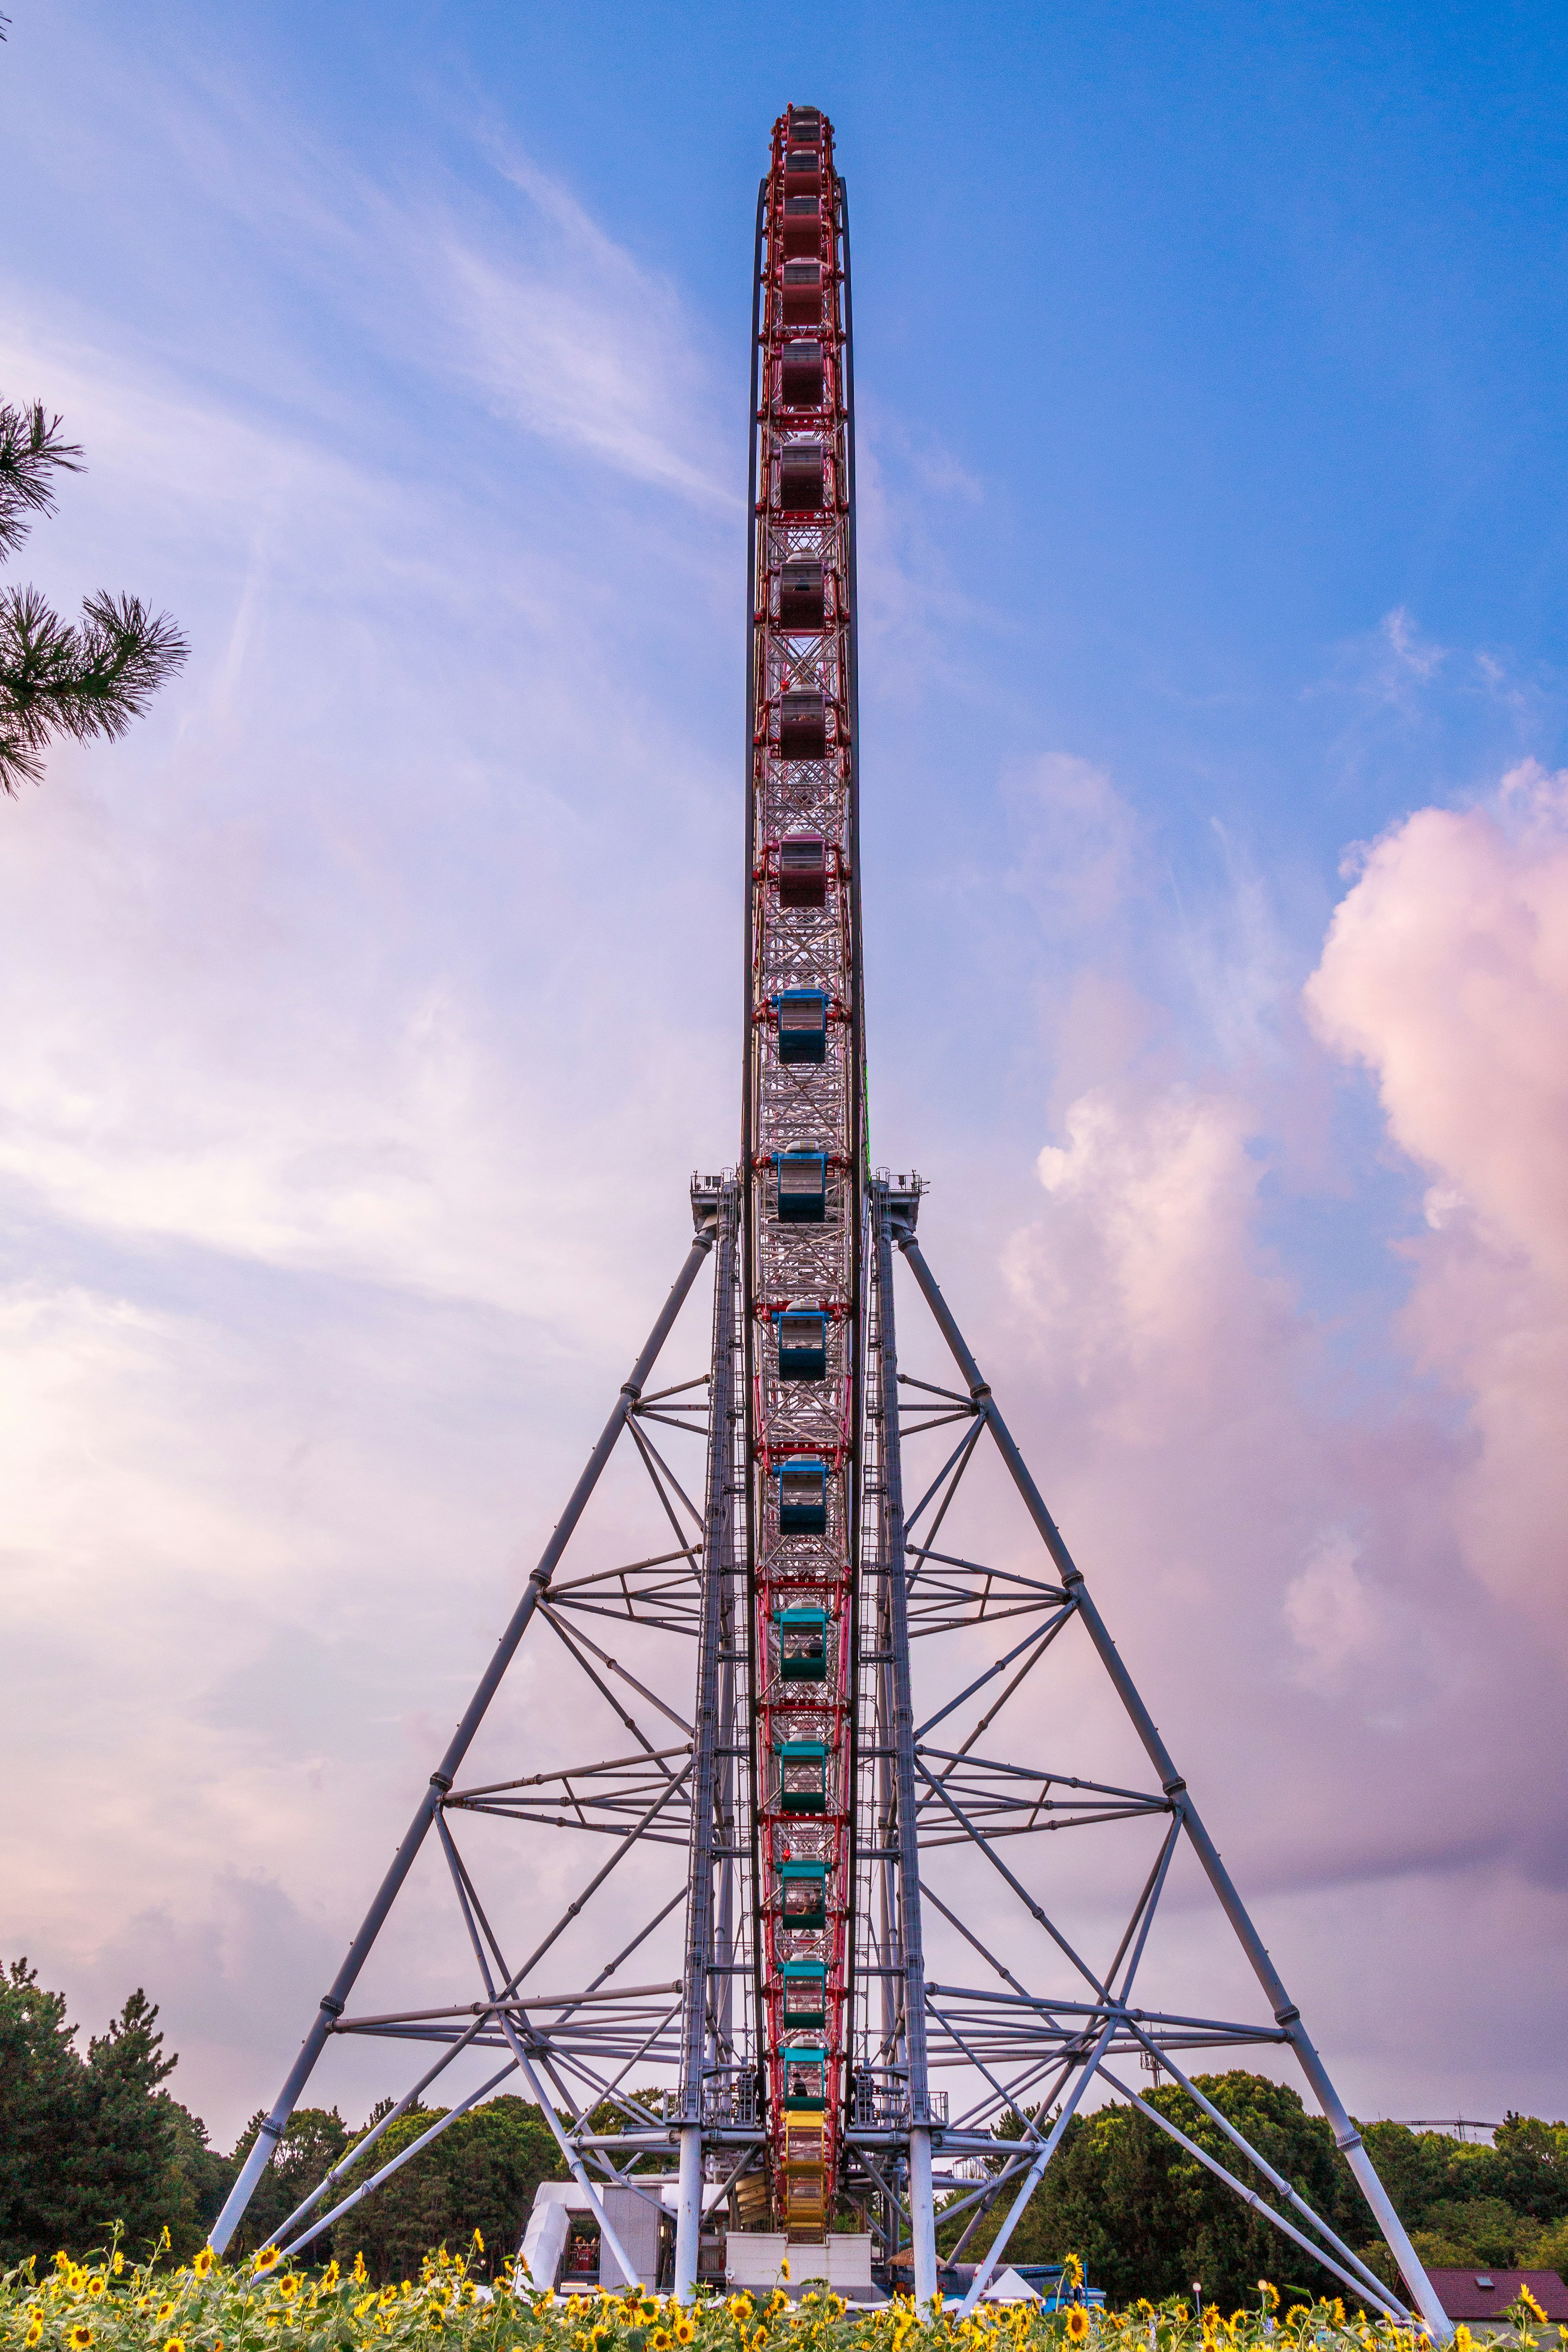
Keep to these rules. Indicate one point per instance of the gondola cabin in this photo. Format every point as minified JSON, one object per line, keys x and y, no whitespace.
{"x":805,"y":125}
{"x":805,"y":2081}
{"x":803,"y":2147}
{"x":802,"y":1187}
{"x":805,"y":2204}
{"x":802,"y":293}
{"x":800,"y":374}
{"x":802,"y":596}
{"x":801,"y":1016}
{"x":805,"y":1994}
{"x":802,"y":1345}
{"x":804,"y":1899}
{"x":801,"y":463}
{"x":802,"y":172}
{"x":804,"y":1776}
{"x":803,"y":724}
{"x":803,"y":1645}
{"x":803,"y":1497}
{"x":802,"y":870}
{"x":802,"y":226}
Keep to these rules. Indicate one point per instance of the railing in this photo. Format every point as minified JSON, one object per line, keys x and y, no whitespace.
{"x":729,"y":2102}
{"x":884,"y":2106}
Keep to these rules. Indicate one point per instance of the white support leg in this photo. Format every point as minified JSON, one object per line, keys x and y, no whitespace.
{"x":922,"y":2216}
{"x":689,"y":2213}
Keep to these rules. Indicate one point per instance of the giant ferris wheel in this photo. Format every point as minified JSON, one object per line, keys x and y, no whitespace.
{"x":807,"y":1801}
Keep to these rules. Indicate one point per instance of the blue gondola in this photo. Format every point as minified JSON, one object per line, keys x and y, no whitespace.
{"x":802,"y":1776}
{"x":804,"y":1901}
{"x":805,"y":1993}
{"x":803,"y":1497}
{"x":803,"y":1645}
{"x":801,"y":1025}
{"x":802,"y":1345}
{"x":802,"y":1187}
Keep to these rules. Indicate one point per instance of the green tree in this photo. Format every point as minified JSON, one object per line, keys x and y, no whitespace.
{"x":40,"y":2075}
{"x":1526,"y":2167}
{"x":89,"y":2144}
{"x":481,"y":2174}
{"x":81,"y":678}
{"x":313,"y":2140}
{"x":1147,"y":2218}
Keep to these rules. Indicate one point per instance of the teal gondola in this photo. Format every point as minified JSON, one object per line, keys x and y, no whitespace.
{"x":802,"y":1776}
{"x":803,"y":1645}
{"x":802,"y":1345}
{"x":804,"y":1901}
{"x":802,"y":1187}
{"x":805,"y":1993}
{"x":805,"y":2080}
{"x":803,"y":1497}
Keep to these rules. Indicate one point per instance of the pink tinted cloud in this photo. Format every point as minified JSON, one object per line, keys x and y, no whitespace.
{"x":1445,"y":972}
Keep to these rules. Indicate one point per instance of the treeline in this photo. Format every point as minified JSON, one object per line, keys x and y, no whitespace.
{"x":89,"y":2141}
{"x":92,"y":2141}
{"x":1148,"y":2219}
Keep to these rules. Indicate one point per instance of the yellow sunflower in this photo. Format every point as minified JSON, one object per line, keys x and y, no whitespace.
{"x":660,"y":2339}
{"x":33,"y":2333}
{"x":175,"y":2344}
{"x":95,"y":2286}
{"x":165,"y":2311}
{"x":684,"y":2331}
{"x":1077,"y":2324}
{"x":78,"y":2337}
{"x":203,"y":2261}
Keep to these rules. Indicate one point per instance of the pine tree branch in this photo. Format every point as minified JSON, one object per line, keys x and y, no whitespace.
{"x":60,"y":680}
{"x":31,"y":454}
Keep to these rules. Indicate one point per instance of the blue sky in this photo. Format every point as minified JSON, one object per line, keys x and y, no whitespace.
{"x":369,"y":1006}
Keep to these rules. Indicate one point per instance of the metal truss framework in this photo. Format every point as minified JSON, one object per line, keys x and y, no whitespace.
{"x":782,"y":2000}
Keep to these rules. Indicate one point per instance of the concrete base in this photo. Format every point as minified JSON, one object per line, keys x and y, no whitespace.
{"x":754,"y":2258}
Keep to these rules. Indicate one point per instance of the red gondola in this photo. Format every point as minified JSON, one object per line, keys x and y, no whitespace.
{"x":802,"y":293}
{"x":800,"y":374}
{"x":801,"y":470}
{"x":803,"y":725}
{"x":802,"y":870}
{"x":802,"y":594}
{"x":802,"y":226}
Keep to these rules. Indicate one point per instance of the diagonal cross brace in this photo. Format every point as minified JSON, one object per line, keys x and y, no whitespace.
{"x":441,"y":1779}
{"x":1287,"y":2015}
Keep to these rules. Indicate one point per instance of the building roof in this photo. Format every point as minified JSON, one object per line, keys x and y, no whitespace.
{"x":1486,"y":2294}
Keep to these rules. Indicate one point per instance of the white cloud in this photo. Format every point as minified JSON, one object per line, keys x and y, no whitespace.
{"x":1445,"y":972}
{"x":1329,"y":1609}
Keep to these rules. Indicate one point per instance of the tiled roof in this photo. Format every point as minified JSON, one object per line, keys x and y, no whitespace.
{"x":1486,"y":2294}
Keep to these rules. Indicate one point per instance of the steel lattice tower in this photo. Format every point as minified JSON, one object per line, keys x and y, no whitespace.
{"x":812,"y":1818}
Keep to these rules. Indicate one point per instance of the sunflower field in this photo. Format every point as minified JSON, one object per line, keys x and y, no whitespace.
{"x":263,"y":2305}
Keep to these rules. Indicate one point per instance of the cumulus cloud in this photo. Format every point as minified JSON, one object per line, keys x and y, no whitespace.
{"x":1270,"y":1530}
{"x":1446,"y":974}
